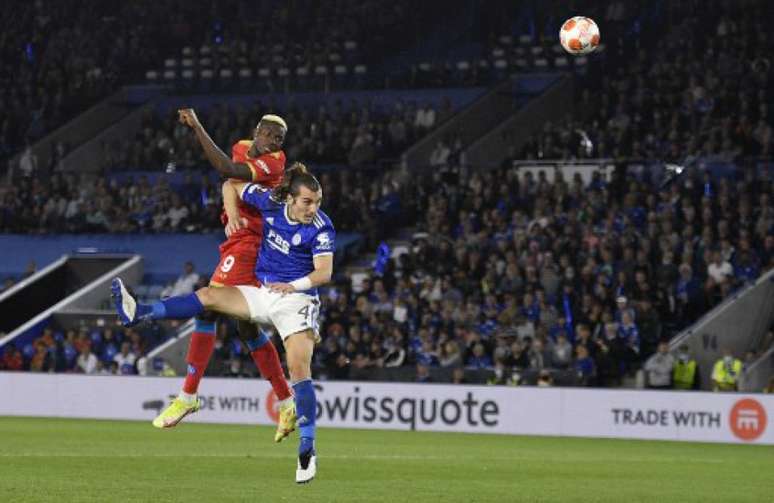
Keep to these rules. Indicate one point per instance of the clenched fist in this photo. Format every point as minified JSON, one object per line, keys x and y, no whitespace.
{"x":188,"y":117}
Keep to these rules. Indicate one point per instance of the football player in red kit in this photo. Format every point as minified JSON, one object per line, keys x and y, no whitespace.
{"x":259,"y":160}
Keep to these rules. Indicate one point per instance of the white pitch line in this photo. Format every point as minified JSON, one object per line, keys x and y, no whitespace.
{"x":400,"y":457}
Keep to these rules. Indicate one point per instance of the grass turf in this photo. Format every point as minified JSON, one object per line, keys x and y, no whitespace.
{"x":82,"y":460}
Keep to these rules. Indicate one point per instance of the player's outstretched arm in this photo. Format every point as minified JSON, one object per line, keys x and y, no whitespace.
{"x":215,"y":155}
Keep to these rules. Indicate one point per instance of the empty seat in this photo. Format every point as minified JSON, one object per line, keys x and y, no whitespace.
{"x":152,"y":75}
{"x":561,"y":62}
{"x":170,"y":63}
{"x":520,"y":51}
{"x":187,"y":62}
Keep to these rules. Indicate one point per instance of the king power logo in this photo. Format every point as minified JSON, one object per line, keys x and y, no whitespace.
{"x":748,"y":419}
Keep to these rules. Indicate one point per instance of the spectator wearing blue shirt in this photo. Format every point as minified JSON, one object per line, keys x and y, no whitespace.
{"x":479,"y":359}
{"x":746,"y":269}
{"x":584,"y":366}
{"x":628,"y":332}
{"x":427,"y":355}
{"x":686,"y":293}
{"x":530,"y":308}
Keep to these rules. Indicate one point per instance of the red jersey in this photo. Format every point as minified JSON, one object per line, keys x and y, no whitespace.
{"x":267,"y":170}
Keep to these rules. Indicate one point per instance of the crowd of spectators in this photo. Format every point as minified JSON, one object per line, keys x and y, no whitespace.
{"x":511,"y":272}
{"x":516,"y":272}
{"x":364,"y":201}
{"x":705,"y":90}
{"x":73,"y":203}
{"x":59,"y":58}
{"x":356,"y":133}
{"x":522,"y":275}
{"x":98,"y":347}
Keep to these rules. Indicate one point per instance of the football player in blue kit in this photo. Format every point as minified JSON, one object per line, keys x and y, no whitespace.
{"x":296,"y":257}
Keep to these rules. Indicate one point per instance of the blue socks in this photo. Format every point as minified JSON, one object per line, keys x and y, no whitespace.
{"x":181,"y":307}
{"x":306,"y":410}
{"x":261,"y":340}
{"x":205,"y":327}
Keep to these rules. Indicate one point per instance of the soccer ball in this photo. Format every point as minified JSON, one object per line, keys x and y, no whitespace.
{"x":579,"y":35}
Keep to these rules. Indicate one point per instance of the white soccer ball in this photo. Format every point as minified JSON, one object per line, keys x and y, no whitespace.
{"x":579,"y":35}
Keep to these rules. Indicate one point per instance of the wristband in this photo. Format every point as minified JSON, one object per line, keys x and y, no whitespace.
{"x":302,"y":284}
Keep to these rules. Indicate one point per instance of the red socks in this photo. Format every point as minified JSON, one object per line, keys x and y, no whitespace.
{"x":267,"y":360}
{"x":262,"y":351}
{"x":199,"y":353}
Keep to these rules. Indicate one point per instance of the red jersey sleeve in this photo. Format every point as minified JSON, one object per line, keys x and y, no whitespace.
{"x":268,"y":168}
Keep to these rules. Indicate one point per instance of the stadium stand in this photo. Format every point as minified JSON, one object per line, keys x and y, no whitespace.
{"x":58,"y":58}
{"x":511,"y":276}
{"x":701,"y":93}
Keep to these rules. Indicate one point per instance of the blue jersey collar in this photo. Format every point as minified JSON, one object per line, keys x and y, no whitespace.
{"x":287,"y":216}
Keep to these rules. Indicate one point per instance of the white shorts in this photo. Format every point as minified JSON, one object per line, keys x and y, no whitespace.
{"x":290,"y":313}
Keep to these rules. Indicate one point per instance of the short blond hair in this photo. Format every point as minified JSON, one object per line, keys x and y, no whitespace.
{"x":276,"y":119}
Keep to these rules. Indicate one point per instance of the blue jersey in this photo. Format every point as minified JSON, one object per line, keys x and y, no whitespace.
{"x":288,"y":248}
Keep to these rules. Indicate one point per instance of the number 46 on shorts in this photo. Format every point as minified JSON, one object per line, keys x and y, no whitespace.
{"x":310,"y":314}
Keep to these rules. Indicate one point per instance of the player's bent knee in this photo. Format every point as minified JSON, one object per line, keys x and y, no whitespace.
{"x":207,"y":296}
{"x":204,"y":296}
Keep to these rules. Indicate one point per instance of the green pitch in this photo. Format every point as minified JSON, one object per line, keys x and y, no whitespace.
{"x":79,"y":460}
